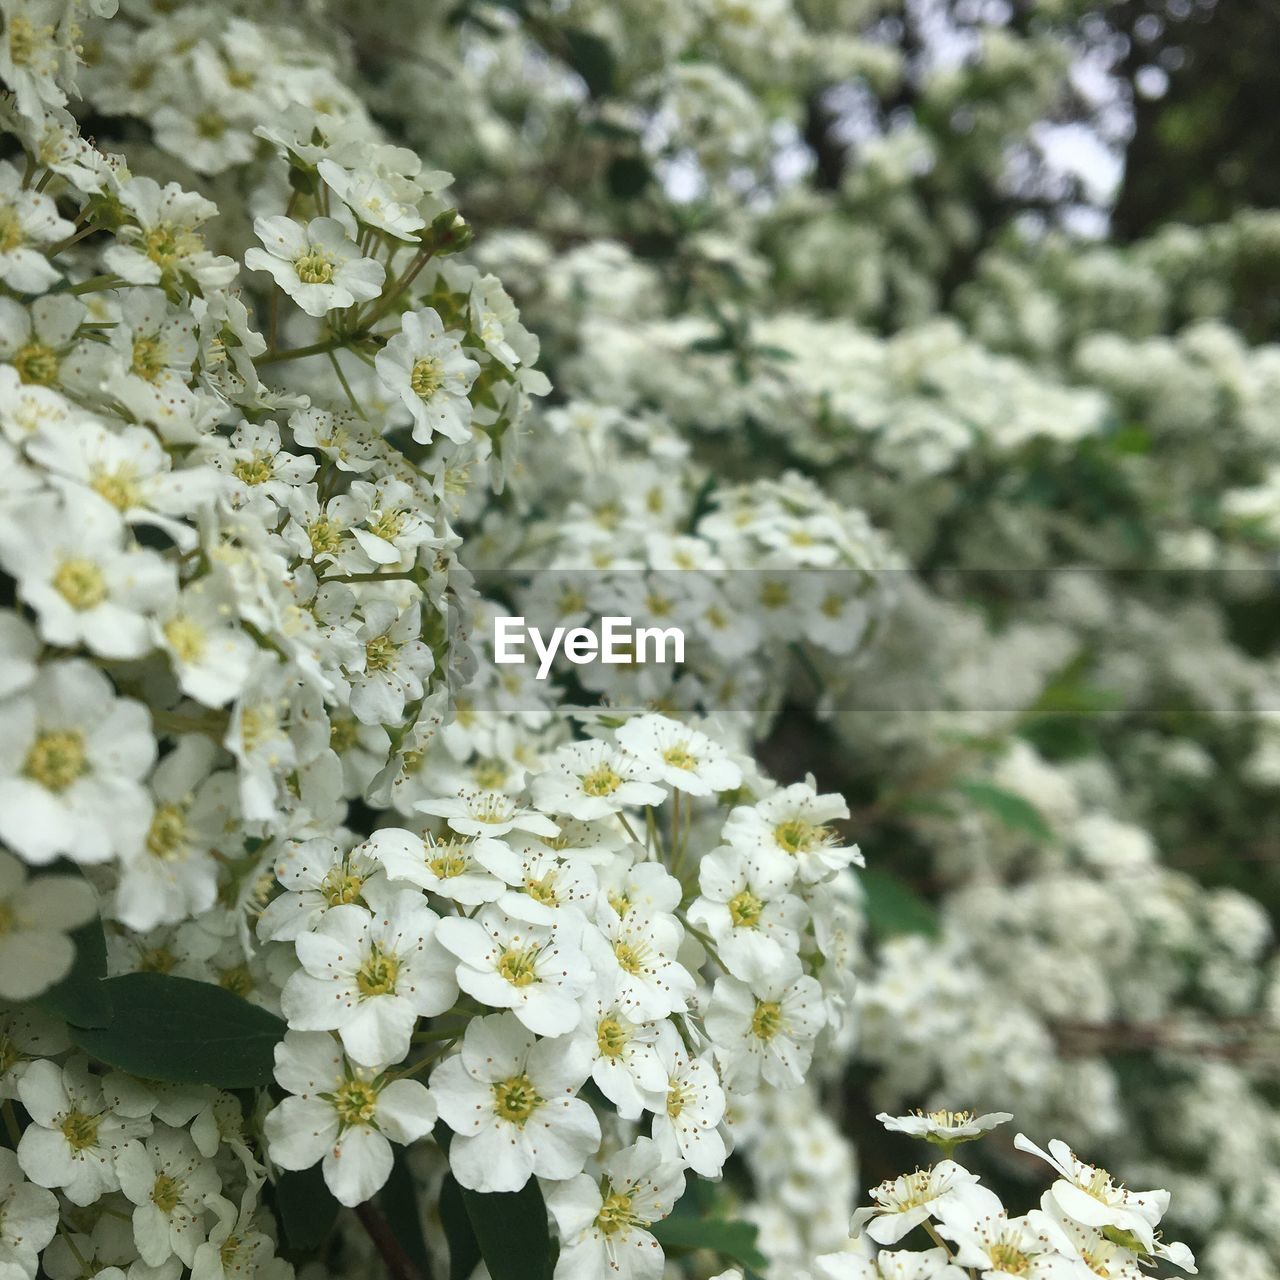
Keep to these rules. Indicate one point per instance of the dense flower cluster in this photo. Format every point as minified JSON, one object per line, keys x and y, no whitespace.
{"x":280,"y":444}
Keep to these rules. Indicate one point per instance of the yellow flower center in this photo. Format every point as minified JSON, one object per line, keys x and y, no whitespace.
{"x":80,"y":583}
{"x":680,"y":757}
{"x":253,"y":471}
{"x":11,"y":236}
{"x":167,"y":835}
{"x":448,"y":862}
{"x":612,"y":1037}
{"x":344,"y":733}
{"x":148,"y":358}
{"x":601,"y":781}
{"x":620,"y":903}
{"x":56,"y":759}
{"x":167,"y":244}
{"x":211,"y":125}
{"x":630,"y":958}
{"x":117,"y":487}
{"x":238,"y":980}
{"x":519,"y":967}
{"x":325,"y":537}
{"x":314,"y":267}
{"x":798,"y":836}
{"x":186,"y":638}
{"x":543,"y":890}
{"x":26,"y":39}
{"x":1008,"y":1259}
{"x":377,"y":976}
{"x":388,"y":526}
{"x":515,"y":1099}
{"x":615,"y":1214}
{"x":37,"y":364}
{"x":766,"y":1022}
{"x":379,"y":653}
{"x":678,"y":1097}
{"x":745,"y":909}
{"x":156,"y":960}
{"x":166,"y":1195}
{"x":340,"y":886}
{"x":80,"y":1130}
{"x":426,"y":378}
{"x":356,"y":1103}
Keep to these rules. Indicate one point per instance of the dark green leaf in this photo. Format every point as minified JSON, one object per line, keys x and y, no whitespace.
{"x":627,"y":177}
{"x":733,"y":1241}
{"x":307,"y":1207}
{"x":1016,"y":813}
{"x":81,"y":997}
{"x":464,"y":1251}
{"x":894,"y":907}
{"x":399,"y":1203}
{"x":168,"y":1028}
{"x":592,"y":59}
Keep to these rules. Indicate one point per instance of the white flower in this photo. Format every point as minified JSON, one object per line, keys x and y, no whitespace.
{"x":72,"y":757}
{"x":902,"y":1204}
{"x":588,"y":780}
{"x":746,"y":909}
{"x":537,"y":971}
{"x":372,"y":200}
{"x":211,"y":655}
{"x":683,"y":758}
{"x":944,"y":1128}
{"x":425,"y":366}
{"x":688,"y":1112}
{"x":395,"y":663}
{"x":319,"y":266}
{"x":487,"y":813}
{"x":470,"y":870}
{"x":28,"y":1220}
{"x":765,"y":1025}
{"x":165,"y":247}
{"x":369,"y":977}
{"x":512,"y":1106}
{"x":625,"y":1064}
{"x":638,"y":951}
{"x":28,"y":221}
{"x":788,"y":834}
{"x":604,"y":1224}
{"x":35,"y":917}
{"x":74,"y":1135}
{"x":1090,"y":1196}
{"x":342,"y":1113}
{"x":170,"y":1183}
{"x":318,"y":876}
{"x":929,"y":1264}
{"x":87,"y":586}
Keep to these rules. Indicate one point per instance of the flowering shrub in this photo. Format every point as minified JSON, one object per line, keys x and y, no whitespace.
{"x":328,"y":941}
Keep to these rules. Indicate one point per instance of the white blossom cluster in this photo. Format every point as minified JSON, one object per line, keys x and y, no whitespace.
{"x":280,"y":444}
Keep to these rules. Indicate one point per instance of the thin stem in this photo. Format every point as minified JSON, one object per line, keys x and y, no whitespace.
{"x":398,"y":1263}
{"x":627,"y":827}
{"x":300,"y":353}
{"x":346,"y":386}
{"x":95,"y":284}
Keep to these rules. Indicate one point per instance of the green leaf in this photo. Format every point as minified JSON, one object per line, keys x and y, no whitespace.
{"x":306,"y":1206}
{"x":464,"y":1250}
{"x":893,"y":907}
{"x":511,"y":1229}
{"x":1016,"y":813}
{"x":592,"y":59}
{"x":732,"y":1240}
{"x":627,"y":177}
{"x":81,"y":997}
{"x":168,"y":1028}
{"x":399,"y":1203}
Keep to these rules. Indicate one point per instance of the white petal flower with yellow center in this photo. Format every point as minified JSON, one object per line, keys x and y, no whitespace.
{"x":318,"y":265}
{"x":625,"y":1064}
{"x":536,"y":971}
{"x":317,"y":876}
{"x":72,"y":757}
{"x":426,"y":367}
{"x":74,"y":1135}
{"x":468,"y":869}
{"x":170,"y":1184}
{"x":343,"y":1114}
{"x":36,"y":915}
{"x":29,"y":222}
{"x":370,"y":977}
{"x":764,"y":1025}
{"x":588,"y":780}
{"x":511,"y":1103}
{"x":604,"y":1224}
{"x":790,"y":834}
{"x":683,"y":758}
{"x":28,"y":1220}
{"x":688,"y":1112}
{"x":902,"y":1204}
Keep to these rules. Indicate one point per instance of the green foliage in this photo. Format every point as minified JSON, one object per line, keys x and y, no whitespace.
{"x":82,"y":997}
{"x":893,"y":907}
{"x":168,"y":1028}
{"x":1010,"y":808}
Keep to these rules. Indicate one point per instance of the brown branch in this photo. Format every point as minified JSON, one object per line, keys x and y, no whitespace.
{"x":398,"y":1263}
